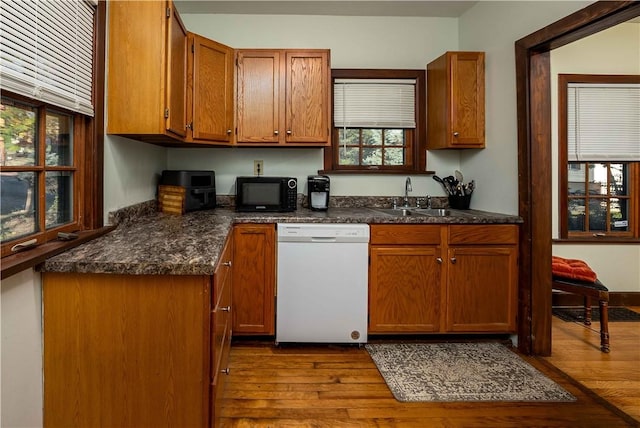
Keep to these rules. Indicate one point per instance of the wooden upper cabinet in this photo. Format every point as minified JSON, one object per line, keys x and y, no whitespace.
{"x":455,"y":101}
{"x":307,"y":95}
{"x":258,"y":96}
{"x":147,"y":71}
{"x":176,"y":92}
{"x":210,"y":93}
{"x":283,"y":97}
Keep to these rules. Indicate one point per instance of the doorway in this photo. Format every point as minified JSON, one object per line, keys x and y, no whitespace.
{"x":533,"y":83}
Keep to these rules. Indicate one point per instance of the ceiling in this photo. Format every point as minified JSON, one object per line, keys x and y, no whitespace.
{"x":328,"y":7}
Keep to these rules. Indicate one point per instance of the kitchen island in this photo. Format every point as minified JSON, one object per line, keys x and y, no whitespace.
{"x":138,"y":323}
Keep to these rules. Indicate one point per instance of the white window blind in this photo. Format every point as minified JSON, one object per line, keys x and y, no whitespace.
{"x":46,"y":51}
{"x":374,"y":103}
{"x":603,"y":122}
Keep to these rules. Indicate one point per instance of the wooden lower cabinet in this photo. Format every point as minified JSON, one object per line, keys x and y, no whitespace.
{"x":414,"y":289}
{"x":482,"y":270}
{"x":254,"y":277}
{"x":133,"y":350}
{"x":404,"y":289}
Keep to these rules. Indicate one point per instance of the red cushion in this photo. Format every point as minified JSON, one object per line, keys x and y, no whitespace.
{"x":572,"y":268}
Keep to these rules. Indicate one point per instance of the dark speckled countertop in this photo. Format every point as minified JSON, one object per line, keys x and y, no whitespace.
{"x":190,"y":244}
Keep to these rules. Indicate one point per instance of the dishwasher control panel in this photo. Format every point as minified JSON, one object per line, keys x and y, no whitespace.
{"x":338,"y":232}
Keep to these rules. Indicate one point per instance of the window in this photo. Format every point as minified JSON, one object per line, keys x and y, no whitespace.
{"x":38,"y":170}
{"x":50,"y":142}
{"x":378,"y":121}
{"x":599,"y":159}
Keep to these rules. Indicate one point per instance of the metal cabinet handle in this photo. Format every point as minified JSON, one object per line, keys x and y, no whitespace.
{"x":276,"y":132}
{"x":455,"y":134}
{"x":228,"y":132}
{"x":439,"y":260}
{"x":228,"y":264}
{"x":453,"y":260}
{"x":225,"y":371}
{"x":225,"y":308}
{"x":288,"y":132}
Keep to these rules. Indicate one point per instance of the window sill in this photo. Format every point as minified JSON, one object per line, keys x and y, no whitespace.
{"x":603,"y":240}
{"x":28,"y":258}
{"x":375,"y":171}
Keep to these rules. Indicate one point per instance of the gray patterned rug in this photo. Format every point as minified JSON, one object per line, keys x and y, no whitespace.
{"x":461,"y":372}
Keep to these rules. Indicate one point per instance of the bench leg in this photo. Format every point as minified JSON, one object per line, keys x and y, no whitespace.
{"x":604,"y":326}
{"x":587,"y":310}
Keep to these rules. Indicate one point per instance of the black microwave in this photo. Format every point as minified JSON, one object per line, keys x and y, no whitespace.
{"x":275,"y":194}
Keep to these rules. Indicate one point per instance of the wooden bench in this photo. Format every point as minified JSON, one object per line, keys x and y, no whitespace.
{"x":589,"y":290}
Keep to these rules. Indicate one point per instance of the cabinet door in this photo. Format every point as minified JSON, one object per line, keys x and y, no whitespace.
{"x":136,"y":69}
{"x":258,"y":97}
{"x":455,"y":101}
{"x":176,"y":91}
{"x":254,"y":271}
{"x":212,"y":91}
{"x":467,"y":98}
{"x":307,"y":97}
{"x":404,"y":289}
{"x":481,"y":289}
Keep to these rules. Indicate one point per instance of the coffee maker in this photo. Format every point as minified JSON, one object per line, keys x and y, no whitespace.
{"x":318,"y":192}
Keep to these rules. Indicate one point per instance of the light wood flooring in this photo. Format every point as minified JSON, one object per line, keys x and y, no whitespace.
{"x":339,"y":386}
{"x":614,"y":376}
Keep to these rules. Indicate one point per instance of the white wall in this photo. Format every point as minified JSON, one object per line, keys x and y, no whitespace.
{"x":355,"y":42}
{"x":131,"y":172}
{"x":131,"y":168}
{"x":612,"y":51}
{"x":494,"y":27}
{"x":21,"y":355}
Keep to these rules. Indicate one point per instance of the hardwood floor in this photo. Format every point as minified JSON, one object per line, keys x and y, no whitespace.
{"x":339,"y":386}
{"x":614,"y":376}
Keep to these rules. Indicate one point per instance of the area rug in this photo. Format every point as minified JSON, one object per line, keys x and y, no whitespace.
{"x":577,"y":314}
{"x":461,"y":372}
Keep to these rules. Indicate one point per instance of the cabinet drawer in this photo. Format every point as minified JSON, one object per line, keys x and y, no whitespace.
{"x":483,"y":234}
{"x":405,"y":234}
{"x":222,"y":274}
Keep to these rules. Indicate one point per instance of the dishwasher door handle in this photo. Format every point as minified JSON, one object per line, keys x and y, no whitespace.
{"x":323,"y":239}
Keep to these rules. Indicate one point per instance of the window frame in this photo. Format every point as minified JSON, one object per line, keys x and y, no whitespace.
{"x":416,"y":153}
{"x":633,"y":235}
{"x":88,"y":190}
{"x":40,"y":168}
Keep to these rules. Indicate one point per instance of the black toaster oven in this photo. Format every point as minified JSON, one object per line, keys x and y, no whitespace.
{"x":200,"y":187}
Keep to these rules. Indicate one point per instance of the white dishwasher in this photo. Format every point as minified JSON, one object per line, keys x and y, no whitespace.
{"x":322,"y":283}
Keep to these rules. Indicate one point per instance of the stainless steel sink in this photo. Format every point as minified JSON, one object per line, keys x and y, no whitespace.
{"x":404,"y":212}
{"x":434,"y":212}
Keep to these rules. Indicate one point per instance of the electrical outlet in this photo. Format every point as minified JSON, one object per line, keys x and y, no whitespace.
{"x":258,"y":167}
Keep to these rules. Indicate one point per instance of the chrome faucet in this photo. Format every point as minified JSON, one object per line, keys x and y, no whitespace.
{"x":407,"y":189}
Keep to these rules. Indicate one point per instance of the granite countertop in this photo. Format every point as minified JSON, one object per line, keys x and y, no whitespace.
{"x":190,"y":244}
